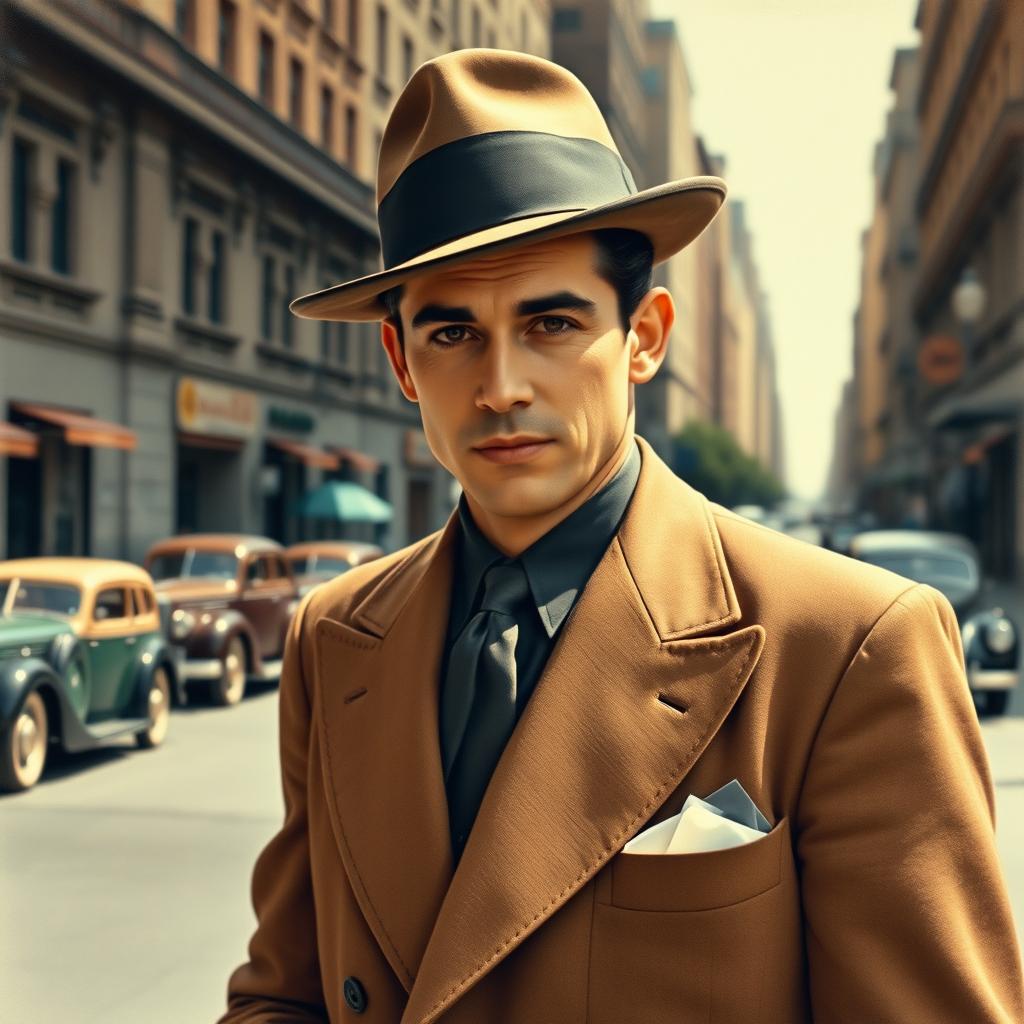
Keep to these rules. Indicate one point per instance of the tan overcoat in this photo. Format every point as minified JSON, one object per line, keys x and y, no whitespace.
{"x":703,"y":648}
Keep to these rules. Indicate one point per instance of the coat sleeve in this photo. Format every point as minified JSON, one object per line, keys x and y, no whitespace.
{"x":906,"y":911}
{"x":281,"y":980}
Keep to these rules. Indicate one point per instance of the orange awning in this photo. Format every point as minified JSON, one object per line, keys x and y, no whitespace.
{"x":18,"y":441}
{"x":305,"y":453}
{"x":81,"y":429}
{"x":360,"y":460}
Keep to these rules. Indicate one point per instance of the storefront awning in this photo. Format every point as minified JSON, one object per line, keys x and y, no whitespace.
{"x":359,"y":460}
{"x":80,"y":429}
{"x":304,"y":453}
{"x":18,"y":441}
{"x":1001,"y":398}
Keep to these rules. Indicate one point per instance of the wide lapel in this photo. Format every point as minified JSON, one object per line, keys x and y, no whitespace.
{"x":378,"y":682}
{"x":628,"y":700}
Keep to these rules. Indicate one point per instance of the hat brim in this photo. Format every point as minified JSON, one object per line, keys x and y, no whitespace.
{"x":672,"y":215}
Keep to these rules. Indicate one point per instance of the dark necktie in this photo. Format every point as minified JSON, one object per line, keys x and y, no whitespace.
{"x":478,"y":703}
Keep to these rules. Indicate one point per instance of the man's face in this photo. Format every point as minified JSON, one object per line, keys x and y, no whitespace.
{"x":527,"y":342}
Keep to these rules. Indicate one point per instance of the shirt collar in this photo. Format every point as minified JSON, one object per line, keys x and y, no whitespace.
{"x":558,"y":564}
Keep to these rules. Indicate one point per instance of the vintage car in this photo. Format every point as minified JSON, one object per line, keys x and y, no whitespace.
{"x":950,"y":563}
{"x":82,"y":661}
{"x":225,"y":603}
{"x":317,"y":561}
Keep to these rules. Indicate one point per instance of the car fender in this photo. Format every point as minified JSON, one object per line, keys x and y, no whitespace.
{"x":20,"y":675}
{"x":972,"y":631}
{"x":210,"y":639}
{"x":156,"y":653}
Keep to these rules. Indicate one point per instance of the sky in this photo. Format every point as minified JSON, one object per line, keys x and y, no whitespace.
{"x":794,"y":94}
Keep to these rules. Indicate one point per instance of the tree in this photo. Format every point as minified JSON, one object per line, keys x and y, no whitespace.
{"x":708,"y":458}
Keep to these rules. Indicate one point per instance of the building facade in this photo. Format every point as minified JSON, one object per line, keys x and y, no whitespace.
{"x":970,"y":211}
{"x":172,"y":175}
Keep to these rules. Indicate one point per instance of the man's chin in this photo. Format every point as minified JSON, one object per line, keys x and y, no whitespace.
{"x":522,"y":498}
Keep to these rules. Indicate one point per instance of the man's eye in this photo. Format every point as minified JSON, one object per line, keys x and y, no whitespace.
{"x":566,"y":325}
{"x":444,"y":337}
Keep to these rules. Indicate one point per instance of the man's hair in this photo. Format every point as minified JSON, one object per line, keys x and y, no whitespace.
{"x":624,"y":259}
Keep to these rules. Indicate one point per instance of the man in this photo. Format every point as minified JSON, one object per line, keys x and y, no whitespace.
{"x":473,"y":727}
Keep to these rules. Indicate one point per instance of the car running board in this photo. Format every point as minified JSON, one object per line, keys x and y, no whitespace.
{"x":115,"y":727}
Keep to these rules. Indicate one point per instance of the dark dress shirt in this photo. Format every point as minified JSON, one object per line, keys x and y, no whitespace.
{"x":557,"y":567}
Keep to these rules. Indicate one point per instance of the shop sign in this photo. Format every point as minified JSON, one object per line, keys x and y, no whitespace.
{"x":417,"y":451}
{"x":207,"y":408}
{"x":290,"y":419}
{"x":940,"y":359}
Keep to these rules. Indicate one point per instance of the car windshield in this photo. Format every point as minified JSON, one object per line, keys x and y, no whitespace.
{"x":922,"y":568}
{"x":23,"y":595}
{"x":319,"y":564}
{"x":222,"y":565}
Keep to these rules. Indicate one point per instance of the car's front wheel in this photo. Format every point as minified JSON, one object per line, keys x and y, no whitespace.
{"x":24,"y":746}
{"x":158,"y":710}
{"x":230,"y":687}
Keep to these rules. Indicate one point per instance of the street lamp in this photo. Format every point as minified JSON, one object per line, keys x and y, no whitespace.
{"x":969,"y":298}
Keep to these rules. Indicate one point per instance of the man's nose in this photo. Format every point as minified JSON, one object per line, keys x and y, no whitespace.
{"x":504,"y":381}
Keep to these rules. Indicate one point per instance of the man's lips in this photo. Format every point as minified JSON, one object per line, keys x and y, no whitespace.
{"x":515,"y":452}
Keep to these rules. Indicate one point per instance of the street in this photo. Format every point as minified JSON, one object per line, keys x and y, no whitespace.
{"x":125,"y":874}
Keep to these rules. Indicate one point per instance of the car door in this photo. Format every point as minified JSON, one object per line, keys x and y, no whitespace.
{"x":260,"y":598}
{"x":111,"y":650}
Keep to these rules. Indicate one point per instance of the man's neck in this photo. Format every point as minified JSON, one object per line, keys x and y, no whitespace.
{"x":512,"y":535}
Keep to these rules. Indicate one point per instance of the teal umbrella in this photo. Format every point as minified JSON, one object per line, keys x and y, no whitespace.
{"x":344,"y":501}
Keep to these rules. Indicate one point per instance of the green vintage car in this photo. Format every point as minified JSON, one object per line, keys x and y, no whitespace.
{"x":83,"y":661}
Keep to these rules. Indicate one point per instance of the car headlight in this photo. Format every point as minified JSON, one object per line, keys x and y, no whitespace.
{"x":182,"y":623}
{"x":1000,"y":636}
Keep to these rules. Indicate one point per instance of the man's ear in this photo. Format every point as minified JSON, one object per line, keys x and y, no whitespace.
{"x":396,"y":356}
{"x":650,"y":327}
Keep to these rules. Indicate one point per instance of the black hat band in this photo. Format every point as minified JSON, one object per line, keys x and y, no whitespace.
{"x":483,"y":180}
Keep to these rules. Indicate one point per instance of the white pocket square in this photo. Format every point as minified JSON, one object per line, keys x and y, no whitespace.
{"x":702,"y":825}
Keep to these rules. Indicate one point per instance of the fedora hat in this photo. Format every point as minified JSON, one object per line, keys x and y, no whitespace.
{"x":488,"y":149}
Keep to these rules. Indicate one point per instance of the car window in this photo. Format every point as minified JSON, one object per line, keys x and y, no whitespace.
{"x":332,"y":565}
{"x":143,"y":601}
{"x":176,"y":564}
{"x":923,"y":568}
{"x":53,"y":598}
{"x":302,"y":563}
{"x":110,"y":604}
{"x":257,"y":570}
{"x":280,"y":565}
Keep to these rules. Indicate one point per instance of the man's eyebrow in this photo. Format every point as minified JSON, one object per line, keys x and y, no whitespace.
{"x":432,"y":313}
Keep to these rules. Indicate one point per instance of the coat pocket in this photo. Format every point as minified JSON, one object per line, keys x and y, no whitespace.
{"x":696,"y":937}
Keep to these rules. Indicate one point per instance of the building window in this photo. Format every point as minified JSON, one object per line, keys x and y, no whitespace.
{"x":567,"y":19}
{"x":21,"y":182}
{"x":327,"y":118}
{"x":353,"y":25}
{"x":382,"y":41}
{"x":286,"y":314}
{"x":216,"y":283}
{"x":63,"y":208}
{"x":267,"y":318}
{"x":327,"y":14}
{"x":477,"y":27}
{"x":407,"y":58}
{"x":295,"y":91}
{"x":523,"y":33}
{"x":226,"y":37}
{"x":185,"y":20}
{"x":189,"y":258}
{"x":351,"y":134}
{"x":266,"y":70}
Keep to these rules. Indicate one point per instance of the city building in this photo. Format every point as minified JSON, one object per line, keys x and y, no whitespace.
{"x":970,"y":211}
{"x":172,"y":174}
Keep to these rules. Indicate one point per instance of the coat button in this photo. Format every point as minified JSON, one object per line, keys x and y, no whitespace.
{"x":355,"y":994}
